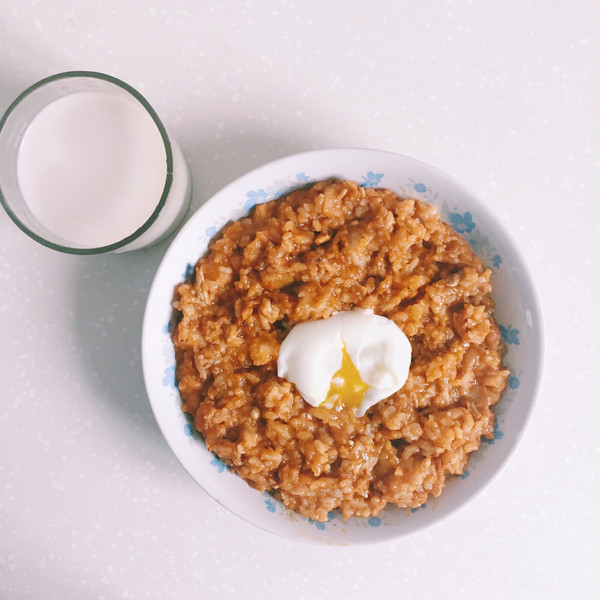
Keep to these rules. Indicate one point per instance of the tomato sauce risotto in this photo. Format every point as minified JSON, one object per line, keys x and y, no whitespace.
{"x":333,"y":247}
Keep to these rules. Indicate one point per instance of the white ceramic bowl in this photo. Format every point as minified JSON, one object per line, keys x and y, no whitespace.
{"x":517,"y":314}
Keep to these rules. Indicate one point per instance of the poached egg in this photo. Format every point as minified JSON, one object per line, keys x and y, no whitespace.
{"x":352,"y":359}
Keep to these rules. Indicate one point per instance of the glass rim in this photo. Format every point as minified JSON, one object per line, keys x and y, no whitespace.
{"x":163,"y":134}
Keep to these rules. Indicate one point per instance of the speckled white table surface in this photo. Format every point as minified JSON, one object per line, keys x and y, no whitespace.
{"x":503,"y":95}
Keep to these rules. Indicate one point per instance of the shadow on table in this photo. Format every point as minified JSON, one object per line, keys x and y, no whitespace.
{"x":112,"y":290}
{"x":111,"y":295}
{"x":219,"y":155}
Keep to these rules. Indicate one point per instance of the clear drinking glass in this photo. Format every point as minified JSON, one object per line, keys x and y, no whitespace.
{"x":165,"y":209}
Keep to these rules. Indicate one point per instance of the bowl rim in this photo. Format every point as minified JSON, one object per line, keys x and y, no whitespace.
{"x":537,"y":363}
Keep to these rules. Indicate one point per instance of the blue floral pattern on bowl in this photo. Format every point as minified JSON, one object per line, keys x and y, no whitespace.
{"x":462,"y":223}
{"x":334,"y":518}
{"x":254,"y":197}
{"x":510,"y":335}
{"x":219,"y":464}
{"x":418,"y":189}
{"x":371,"y":179}
{"x":498,"y":435}
{"x":169,"y":377}
{"x":276,"y":190}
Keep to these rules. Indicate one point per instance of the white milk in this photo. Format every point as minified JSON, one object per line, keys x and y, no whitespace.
{"x":92,"y":168}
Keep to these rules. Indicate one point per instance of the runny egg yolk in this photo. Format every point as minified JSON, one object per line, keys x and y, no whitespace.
{"x":347,"y":388}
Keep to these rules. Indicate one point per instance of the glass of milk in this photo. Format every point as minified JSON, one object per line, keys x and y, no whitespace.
{"x":86,"y":166}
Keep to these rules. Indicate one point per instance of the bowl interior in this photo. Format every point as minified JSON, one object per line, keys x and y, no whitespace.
{"x":516,"y":313}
